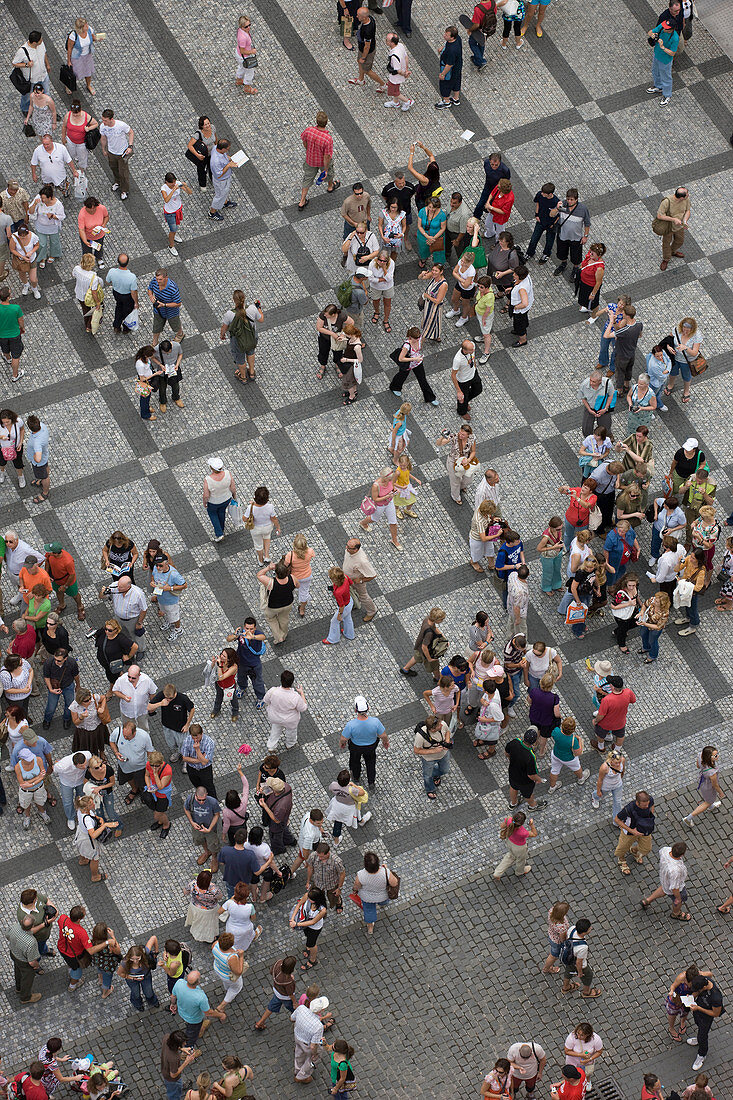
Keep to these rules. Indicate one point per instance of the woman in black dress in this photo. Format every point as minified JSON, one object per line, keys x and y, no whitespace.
{"x":115,"y":649}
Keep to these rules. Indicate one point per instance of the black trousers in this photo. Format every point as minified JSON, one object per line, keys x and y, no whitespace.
{"x":403,"y":11}
{"x":704,"y":1023}
{"x":623,"y":626}
{"x":203,"y":169}
{"x":25,"y":975}
{"x":324,"y":347}
{"x":174,"y":382}
{"x":280,"y":836}
{"x":124,"y":306}
{"x":605,"y":503}
{"x":472,"y":388}
{"x":572,"y":248}
{"x":202,"y":777}
{"x":419,"y":372}
{"x":367,"y":753}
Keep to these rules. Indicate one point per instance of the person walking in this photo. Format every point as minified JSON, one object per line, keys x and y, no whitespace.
{"x":430,"y":645}
{"x":707,"y":1006}
{"x":251,"y":647}
{"x":574,"y":957}
{"x":341,"y":621}
{"x":308,"y":1035}
{"x":74,"y":129}
{"x":124,"y":291}
{"x":12,"y":330}
{"x":247,"y":60}
{"x":359,"y":569}
{"x":409,"y":359}
{"x":450,"y":59}
{"x":573,"y":227}
{"x":117,"y":146}
{"x":318,"y":145}
{"x":361,"y":734}
{"x":523,"y":773}
{"x":558,"y":924}
{"x":708,"y":785}
{"x":432,"y":746}
{"x":280,"y":589}
{"x":192,"y":1005}
{"x":610,"y":778}
{"x":672,"y":878}
{"x":284,"y":706}
{"x":283,"y":989}
{"x":672,"y":219}
{"x":49,"y":214}
{"x":516,"y":835}
{"x":546,"y":202}
{"x":197,"y":755}
{"x":219,"y":491}
{"x":24,"y":952}
{"x":366,"y":42}
{"x":372,"y":885}
{"x":135,"y":689}
{"x":636,"y":820}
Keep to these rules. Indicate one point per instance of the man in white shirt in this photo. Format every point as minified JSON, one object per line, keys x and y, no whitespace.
{"x":32,"y":61}
{"x":398,"y":70}
{"x":517,"y":600}
{"x":117,"y":141}
{"x":69,"y":772}
{"x":284,"y":706}
{"x":465,"y":379}
{"x":528,"y":1063}
{"x":360,"y":570}
{"x":135,"y":689}
{"x":129,"y":606}
{"x":52,"y":159}
{"x":488,"y":489}
{"x":308,"y":1035}
{"x":16,"y":551}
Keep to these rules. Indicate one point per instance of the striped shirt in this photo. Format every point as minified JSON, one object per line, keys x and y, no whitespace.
{"x":168,"y":294}
{"x":308,"y":1027}
{"x":128,"y":605}
{"x":221,"y":962}
{"x":318,"y":144}
{"x":207,"y":747}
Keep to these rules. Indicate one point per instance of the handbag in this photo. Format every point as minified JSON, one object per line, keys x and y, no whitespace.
{"x":393,"y":892}
{"x":595,"y":518}
{"x":575,"y":614}
{"x":19,"y":80}
{"x":367,"y":507}
{"x":356,"y":900}
{"x":358,"y":373}
{"x":28,"y":130}
{"x":92,"y":138}
{"x":201,"y":147}
{"x":249,"y":520}
{"x":67,"y":76}
{"x":148,"y":799}
{"x":143,"y":388}
{"x":421,"y":301}
{"x":250,"y":62}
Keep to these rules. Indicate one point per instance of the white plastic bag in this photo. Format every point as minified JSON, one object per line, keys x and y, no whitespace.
{"x":81,"y":186}
{"x":234,"y":511}
{"x":132,"y":321}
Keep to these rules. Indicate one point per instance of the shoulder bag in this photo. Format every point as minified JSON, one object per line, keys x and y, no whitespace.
{"x":92,"y":138}
{"x":67,"y":76}
{"x":201,"y":147}
{"x":249,"y":520}
{"x":658,"y":226}
{"x":393,"y":892}
{"x":18,"y":79}
{"x":696,"y":365}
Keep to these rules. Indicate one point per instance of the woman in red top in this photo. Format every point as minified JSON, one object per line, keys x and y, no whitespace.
{"x":341,"y":623}
{"x":225,"y":666}
{"x":93,"y":218}
{"x":577,"y":516}
{"x":74,"y":129}
{"x":590,"y":277}
{"x":498,"y":208}
{"x":158,"y":781}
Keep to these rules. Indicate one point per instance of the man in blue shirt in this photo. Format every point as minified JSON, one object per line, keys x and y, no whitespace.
{"x":546,"y":210}
{"x":495,"y":170}
{"x":124,"y":290}
{"x":251,"y":647}
{"x":192,"y":1005}
{"x":167,"y":584}
{"x":664,"y":51}
{"x":508,"y":559}
{"x":165,"y":298}
{"x":239,"y":863}
{"x":221,"y":176}
{"x":361,"y":735}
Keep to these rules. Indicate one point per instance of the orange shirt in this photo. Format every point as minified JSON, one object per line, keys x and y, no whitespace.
{"x":61,"y":566}
{"x":28,"y":582}
{"x":300,"y":568}
{"x":90,"y":219}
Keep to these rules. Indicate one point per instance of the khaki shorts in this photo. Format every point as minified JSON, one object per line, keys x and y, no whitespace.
{"x":384,"y":292}
{"x":310,"y":173}
{"x":420,"y":659}
{"x":365,"y":66}
{"x":211,"y":840}
{"x":39,"y":796}
{"x":159,"y":322}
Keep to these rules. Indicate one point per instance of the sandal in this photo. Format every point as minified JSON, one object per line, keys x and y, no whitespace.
{"x":40,"y":498}
{"x":259,"y":1027}
{"x":102,"y":878}
{"x":668,"y":392}
{"x":239,"y":376}
{"x":675,"y":1038}
{"x":645,"y":904}
{"x":624,"y":868}
{"x":81,"y":614}
{"x":309,"y":965}
{"x":131,"y":798}
{"x":432,"y":796}
{"x":302,"y":205}
{"x":686,"y":400}
{"x":573,"y":987}
{"x":592,"y":993}
{"x":437,"y":781}
{"x":680,"y":916}
{"x":52,"y":801}
{"x":387,"y":326}
{"x":724,"y":909}
{"x":336,"y":185}
{"x":375,"y":319}
{"x":320,"y":373}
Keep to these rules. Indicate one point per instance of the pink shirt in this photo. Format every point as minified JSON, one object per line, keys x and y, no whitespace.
{"x":244,"y":41}
{"x":519,"y":836}
{"x":284,"y":705}
{"x":232,"y":817}
{"x":444,"y":703}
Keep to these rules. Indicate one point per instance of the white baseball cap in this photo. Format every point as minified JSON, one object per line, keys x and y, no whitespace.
{"x":360,"y":704}
{"x":690,"y":444}
{"x":215,"y":463}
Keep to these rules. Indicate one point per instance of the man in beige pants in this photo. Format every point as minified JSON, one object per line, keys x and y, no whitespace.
{"x":360,"y":571}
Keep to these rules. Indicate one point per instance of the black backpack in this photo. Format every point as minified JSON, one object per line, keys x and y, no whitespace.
{"x":567,"y":954}
{"x":488,"y":23}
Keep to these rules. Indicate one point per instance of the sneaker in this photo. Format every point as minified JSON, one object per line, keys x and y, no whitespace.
{"x":408,"y":672}
{"x":175,"y":634}
{"x":483,"y":358}
{"x":381,"y":89}
{"x":543,"y":259}
{"x":9,"y":768}
{"x":692,"y":1042}
{"x":397,"y":393}
{"x":511,"y":712}
{"x":178,"y":237}
{"x":173,"y":251}
{"x":584,"y":309}
{"x":698,"y":1063}
{"x":462,"y":321}
{"x":559,"y":269}
{"x":557,"y":787}
{"x":367,"y":817}
{"x":123,"y":196}
{"x":25,"y":288}
{"x":442,"y":105}
{"x":355,"y":80}
{"x":101,"y":265}
{"x":681,"y":633}
{"x":541,"y":802}
{"x":391,"y":103}
{"x":652,"y":562}
{"x":409,"y":103}
{"x":218,"y":538}
{"x":453,"y":312}
{"x":21,"y":482}
{"x":663,"y":103}
{"x":583,"y":776}
{"x":714,"y":805}
{"x":70,"y":825}
{"x":653,"y":90}
{"x":681,"y":620}
{"x":591,"y":321}
{"x":216,"y":216}
{"x":434,"y":402}
{"x":45,"y":819}
{"x":230,"y":202}
{"x":596,"y":806}
{"x":115,"y":186}
{"x":688,"y":821}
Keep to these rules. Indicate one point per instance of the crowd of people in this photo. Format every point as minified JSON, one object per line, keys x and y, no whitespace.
{"x":468,"y":260}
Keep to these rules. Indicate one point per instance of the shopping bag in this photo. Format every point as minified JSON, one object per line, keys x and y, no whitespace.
{"x":234,"y":511}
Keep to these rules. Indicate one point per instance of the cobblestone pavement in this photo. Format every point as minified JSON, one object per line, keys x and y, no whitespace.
{"x":451,"y":974}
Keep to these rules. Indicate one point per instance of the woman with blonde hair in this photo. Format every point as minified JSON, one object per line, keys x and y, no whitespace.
{"x":610,"y":778}
{"x":380,"y":503}
{"x":399,"y":437}
{"x":684,"y":343}
{"x":299,"y":561}
{"x":246,"y":57}
{"x":203,"y":1089}
{"x":80,"y":50}
{"x":705,"y":533}
{"x":483,"y":534}
{"x":240,"y":325}
{"x":88,"y":830}
{"x":86,"y":278}
{"x":341,"y":622}
{"x":88,"y":713}
{"x":405,"y":496}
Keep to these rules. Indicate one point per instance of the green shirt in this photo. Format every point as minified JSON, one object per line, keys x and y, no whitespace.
{"x":37,"y":914}
{"x":10,"y":315}
{"x":43,"y":606}
{"x":564,"y":744}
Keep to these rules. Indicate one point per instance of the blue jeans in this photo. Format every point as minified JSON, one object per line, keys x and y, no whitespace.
{"x":552,"y":573}
{"x":108,"y":806}
{"x":659,"y":394}
{"x":534,"y":240}
{"x":43,"y":948}
{"x":68,"y":794}
{"x":138,"y":988}
{"x":569,"y":531}
{"x":218,"y":516}
{"x":173,"y":1090}
{"x":253,"y":673}
{"x":53,"y":701}
{"x":616,"y":798}
{"x":694,"y":614}
{"x":477,"y":52}
{"x":662,"y":75}
{"x":432,"y":770}
{"x":370,"y":910}
{"x":656,"y":543}
{"x":75,"y":973}
{"x":516,"y":679}
{"x":682,"y":367}
{"x":275,"y":1004}
{"x":650,"y":641}
{"x":334,"y":631}
{"x":145,"y":407}
{"x":106,"y":976}
{"x":607,"y":352}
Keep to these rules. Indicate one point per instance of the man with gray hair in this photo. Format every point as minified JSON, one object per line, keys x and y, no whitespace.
{"x":16,"y":551}
{"x":597,"y":396}
{"x":135,"y":689}
{"x":129,"y":607}
{"x":465,"y":378}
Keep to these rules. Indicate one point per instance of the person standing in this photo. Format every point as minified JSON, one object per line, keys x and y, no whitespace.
{"x":130,"y":746}
{"x":360,"y":570}
{"x":244,"y":51}
{"x":464,"y":375}
{"x":450,"y":57}
{"x":24,"y":247}
{"x":665,"y":39}
{"x":494,"y":169}
{"x":573,"y":226}
{"x":546,"y":202}
{"x":671,"y":221}
{"x":318,"y":145}
{"x":398,"y":70}
{"x":251,"y":647}
{"x":61,"y":675}
{"x":12,"y":331}
{"x":432,"y":746}
{"x":636,"y":821}
{"x":221,"y":164}
{"x":165,"y":298}
{"x":192,"y":1005}
{"x":172,"y":1064}
{"x":523,"y":771}
{"x":707,"y":1006}
{"x":49,"y":214}
{"x":284,"y":705}
{"x":627,"y":330}
{"x":129,"y":606}
{"x":308,"y":1035}
{"x":361,"y":734}
{"x":527,"y":1061}
{"x":611,"y":717}
{"x":124,"y":291}
{"x":403,"y":11}
{"x":25,"y":954}
{"x":204,"y":814}
{"x":74,"y":129}
{"x":229,"y":963}
{"x":219,"y":491}
{"x":521,"y":300}
{"x":672,"y":878}
{"x":366,"y":42}
{"x":356,"y":209}
{"x":197,"y":753}
{"x":31,"y":61}
{"x":326,"y":872}
{"x":117,"y":142}
{"x":36,"y":449}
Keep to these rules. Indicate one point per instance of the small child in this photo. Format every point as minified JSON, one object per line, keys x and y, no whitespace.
{"x":701,"y":1085}
{"x":405,"y":496}
{"x":399,"y":438}
{"x":488,"y":723}
{"x":444,"y":700}
{"x":601,"y":671}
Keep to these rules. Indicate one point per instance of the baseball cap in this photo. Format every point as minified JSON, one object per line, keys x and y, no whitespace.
{"x":571,"y":1072}
{"x":215,"y":463}
{"x":29,"y":735}
{"x":53,"y":547}
{"x":360,"y":704}
{"x":530,"y":736}
{"x":161,"y":559}
{"x":361,"y":272}
{"x":276,"y":785}
{"x":319,"y":1004}
{"x":690,"y":444}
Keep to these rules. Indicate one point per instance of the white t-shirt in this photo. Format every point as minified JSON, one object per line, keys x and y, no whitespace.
{"x":263,"y":514}
{"x":379,"y":279}
{"x":464,"y":368}
{"x":85,"y":44}
{"x":37,"y":55}
{"x":580,"y":951}
{"x":538,"y":666}
{"x":309,"y":834}
{"x":174,"y":202}
{"x":262,"y":851}
{"x":27,"y":246}
{"x":67,"y":772}
{"x":398,"y":58}
{"x":250,"y":311}
{"x":47,"y":225}
{"x":144,"y":370}
{"x":470,"y":274}
{"x":116,"y":136}
{"x":581,"y":1046}
{"x":525,"y":284}
{"x":53,"y":164}
{"x":84,"y":280}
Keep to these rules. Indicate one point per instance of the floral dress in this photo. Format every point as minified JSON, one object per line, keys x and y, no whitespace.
{"x":396,"y":226}
{"x":705,"y":532}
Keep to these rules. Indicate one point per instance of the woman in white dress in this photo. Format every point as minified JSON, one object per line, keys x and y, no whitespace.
{"x":392,"y":228}
{"x":344,"y":809}
{"x":239,"y":914}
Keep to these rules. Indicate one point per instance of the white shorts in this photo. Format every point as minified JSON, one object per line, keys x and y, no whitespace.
{"x":557,"y":765}
{"x":486,"y":322}
{"x":171,"y":611}
{"x":304,"y":587}
{"x":25,"y":798}
{"x":478,"y":549}
{"x":259,"y":534}
{"x":385,"y":509}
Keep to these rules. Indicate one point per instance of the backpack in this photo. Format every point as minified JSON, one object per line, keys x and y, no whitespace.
{"x":343,"y":293}
{"x":186,"y":958}
{"x":567,"y":954}
{"x":488,"y":23}
{"x":520,"y":254}
{"x":16,"y":1088}
{"x":438,"y":646}
{"x":243,"y":331}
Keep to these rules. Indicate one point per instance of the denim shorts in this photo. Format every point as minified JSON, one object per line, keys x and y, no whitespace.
{"x":275,"y":1004}
{"x":170,"y":219}
{"x":681,"y":368}
{"x":554,"y":948}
